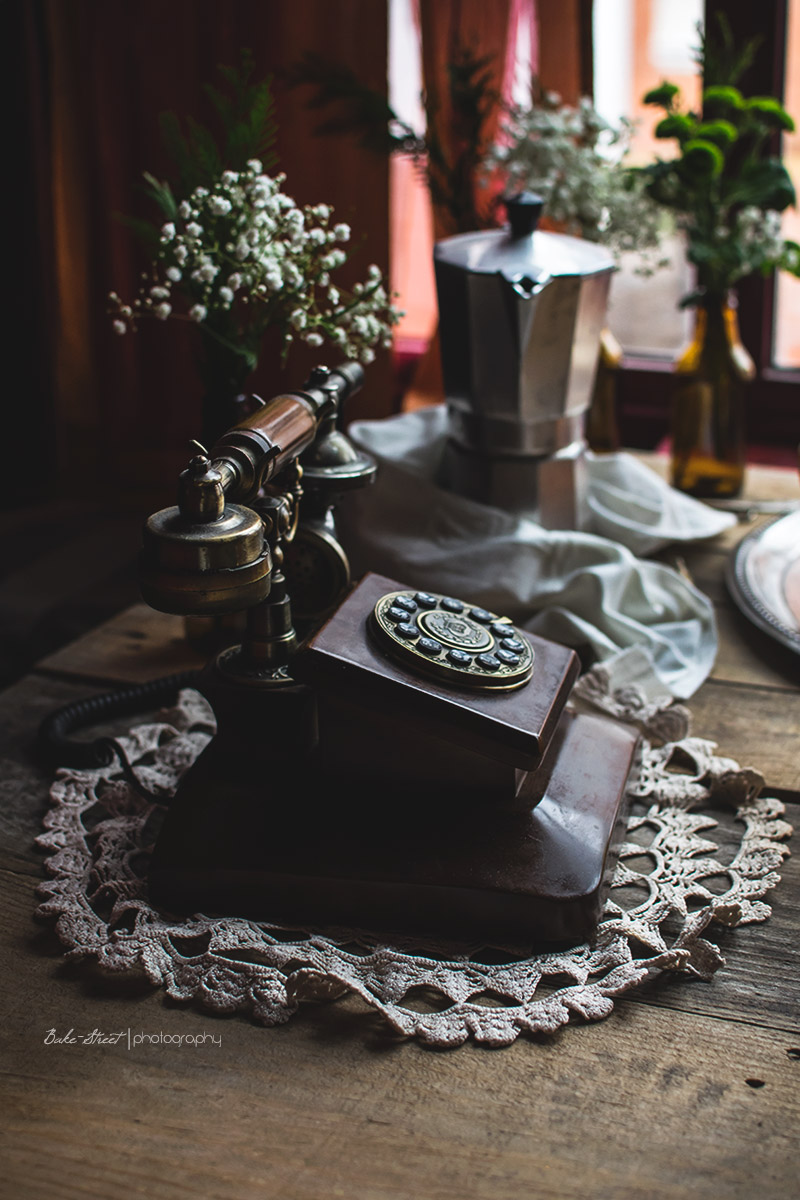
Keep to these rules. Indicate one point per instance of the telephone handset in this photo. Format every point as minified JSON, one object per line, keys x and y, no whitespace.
{"x":411,"y":762}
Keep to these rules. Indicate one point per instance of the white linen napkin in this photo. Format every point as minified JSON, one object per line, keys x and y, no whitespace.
{"x":631,"y":504}
{"x":577,"y":588}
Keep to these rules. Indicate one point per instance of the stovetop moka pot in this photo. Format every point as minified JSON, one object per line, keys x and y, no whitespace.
{"x":520,"y":316}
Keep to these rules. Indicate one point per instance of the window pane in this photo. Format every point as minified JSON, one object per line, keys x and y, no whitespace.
{"x":412,"y":221}
{"x":637,"y":44}
{"x":787,"y":325}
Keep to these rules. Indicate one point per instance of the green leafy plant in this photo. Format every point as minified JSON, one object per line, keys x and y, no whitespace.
{"x":246,"y":116}
{"x":353,"y":108}
{"x":724,"y":186}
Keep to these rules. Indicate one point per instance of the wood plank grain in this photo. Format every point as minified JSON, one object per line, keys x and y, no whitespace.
{"x":135,"y":646}
{"x":748,"y":656}
{"x":758,"y":727}
{"x":647,"y":1103}
{"x":24,"y":781}
{"x":745,"y":654}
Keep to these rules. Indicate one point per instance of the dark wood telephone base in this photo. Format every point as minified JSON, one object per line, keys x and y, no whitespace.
{"x":301,"y":848}
{"x":286,"y":834}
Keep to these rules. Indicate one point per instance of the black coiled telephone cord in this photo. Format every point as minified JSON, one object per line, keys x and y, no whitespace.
{"x":55,"y":748}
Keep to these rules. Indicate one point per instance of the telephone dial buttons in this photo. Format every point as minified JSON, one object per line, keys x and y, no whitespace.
{"x":408,"y":604}
{"x":443,"y":637}
{"x":506,"y":656}
{"x":489,"y":662}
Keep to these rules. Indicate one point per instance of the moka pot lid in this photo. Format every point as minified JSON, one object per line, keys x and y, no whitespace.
{"x":521,"y":252}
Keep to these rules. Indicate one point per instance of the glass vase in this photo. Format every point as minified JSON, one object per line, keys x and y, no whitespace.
{"x":225,"y":372}
{"x":708,"y":405}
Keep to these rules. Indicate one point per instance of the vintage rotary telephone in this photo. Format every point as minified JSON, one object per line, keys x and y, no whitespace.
{"x":410,"y":763}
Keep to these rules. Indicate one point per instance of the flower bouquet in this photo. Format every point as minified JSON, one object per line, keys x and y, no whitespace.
{"x":236,"y":256}
{"x":575,"y":160}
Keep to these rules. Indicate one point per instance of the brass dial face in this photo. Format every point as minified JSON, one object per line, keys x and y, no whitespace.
{"x":453,"y":641}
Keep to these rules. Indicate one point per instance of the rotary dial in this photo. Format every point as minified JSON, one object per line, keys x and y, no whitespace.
{"x":449,"y":639}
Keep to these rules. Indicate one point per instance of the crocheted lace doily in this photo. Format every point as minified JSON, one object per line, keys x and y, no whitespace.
{"x":672,"y":882}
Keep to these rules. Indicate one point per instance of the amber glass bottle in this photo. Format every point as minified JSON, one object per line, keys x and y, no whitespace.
{"x":708,"y":405}
{"x":602,"y":432}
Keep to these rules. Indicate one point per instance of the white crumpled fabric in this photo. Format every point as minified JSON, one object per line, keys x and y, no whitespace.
{"x":580,"y":589}
{"x":630,"y":504}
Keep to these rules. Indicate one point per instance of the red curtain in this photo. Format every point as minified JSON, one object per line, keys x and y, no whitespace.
{"x":123,"y":409}
{"x":487,"y":31}
{"x":565,"y":47}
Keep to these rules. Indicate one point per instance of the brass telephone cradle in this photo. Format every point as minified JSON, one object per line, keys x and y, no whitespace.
{"x":411,"y":763}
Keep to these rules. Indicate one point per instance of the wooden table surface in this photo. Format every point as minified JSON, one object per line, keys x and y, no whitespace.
{"x":652,"y":1102}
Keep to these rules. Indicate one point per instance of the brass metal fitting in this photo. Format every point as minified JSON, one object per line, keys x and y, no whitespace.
{"x":204,"y":567}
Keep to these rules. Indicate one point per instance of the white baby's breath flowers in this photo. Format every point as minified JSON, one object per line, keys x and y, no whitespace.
{"x":759,"y":237}
{"x":574,"y":159}
{"x":241,"y":256}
